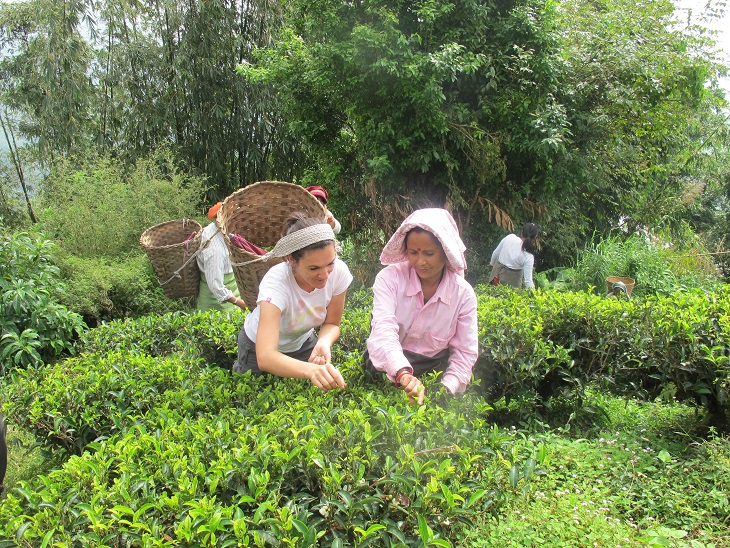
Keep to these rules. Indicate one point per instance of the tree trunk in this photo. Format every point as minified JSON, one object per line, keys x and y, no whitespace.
{"x":13,"y":147}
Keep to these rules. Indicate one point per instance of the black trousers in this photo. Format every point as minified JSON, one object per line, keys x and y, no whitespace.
{"x":3,"y":454}
{"x":421,"y":364}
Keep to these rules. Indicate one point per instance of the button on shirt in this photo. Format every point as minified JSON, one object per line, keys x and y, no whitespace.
{"x":402,"y":321}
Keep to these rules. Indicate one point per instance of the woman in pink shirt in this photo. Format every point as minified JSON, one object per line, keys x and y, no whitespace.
{"x":424,"y":311}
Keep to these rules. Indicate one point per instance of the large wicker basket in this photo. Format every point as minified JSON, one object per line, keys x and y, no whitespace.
{"x":170,"y":247}
{"x":628,"y":282}
{"x":258,"y":213}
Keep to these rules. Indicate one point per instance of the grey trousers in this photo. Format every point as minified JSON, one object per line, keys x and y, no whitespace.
{"x":246,"y":360}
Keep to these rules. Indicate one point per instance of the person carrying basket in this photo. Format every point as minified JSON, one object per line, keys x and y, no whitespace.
{"x":218,"y":289}
{"x":303,"y":293}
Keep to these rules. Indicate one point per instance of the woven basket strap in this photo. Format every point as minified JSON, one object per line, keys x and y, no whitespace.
{"x":202,"y":246}
{"x":262,"y":258}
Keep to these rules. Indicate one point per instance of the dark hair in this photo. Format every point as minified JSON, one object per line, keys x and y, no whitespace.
{"x":298,"y":221}
{"x":529,"y":233}
{"x":419,"y":229}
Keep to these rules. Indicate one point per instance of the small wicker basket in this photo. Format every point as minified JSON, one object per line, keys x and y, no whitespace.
{"x":628,"y":282}
{"x":170,"y":247}
{"x":258,"y":213}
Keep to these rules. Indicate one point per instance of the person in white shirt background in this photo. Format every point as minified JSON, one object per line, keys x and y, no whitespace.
{"x":514,"y":258}
{"x":218,"y":289}
{"x":323,"y":196}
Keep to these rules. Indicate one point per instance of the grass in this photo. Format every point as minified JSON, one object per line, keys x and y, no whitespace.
{"x":640,"y":475}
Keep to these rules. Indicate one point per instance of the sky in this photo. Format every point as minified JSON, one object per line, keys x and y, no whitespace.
{"x":695,"y":9}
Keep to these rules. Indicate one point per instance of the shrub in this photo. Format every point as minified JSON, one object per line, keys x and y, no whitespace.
{"x":171,"y":452}
{"x":34,"y":328}
{"x":210,"y":336}
{"x":253,"y":460}
{"x":103,"y":289}
{"x":660,"y":264}
{"x":99,"y":209}
{"x":546,"y":343}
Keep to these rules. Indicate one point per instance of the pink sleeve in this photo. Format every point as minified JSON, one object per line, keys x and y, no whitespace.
{"x":383,"y":344}
{"x":464,"y":347}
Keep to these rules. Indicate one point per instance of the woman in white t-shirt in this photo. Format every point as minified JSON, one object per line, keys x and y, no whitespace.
{"x":305,"y":292}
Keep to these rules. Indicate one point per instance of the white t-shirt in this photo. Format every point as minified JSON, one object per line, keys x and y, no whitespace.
{"x":509,"y":252}
{"x":301,"y":312}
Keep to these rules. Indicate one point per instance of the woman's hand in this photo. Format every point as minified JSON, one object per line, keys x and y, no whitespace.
{"x":325,"y":376}
{"x":321,"y":353}
{"x":413,"y":387}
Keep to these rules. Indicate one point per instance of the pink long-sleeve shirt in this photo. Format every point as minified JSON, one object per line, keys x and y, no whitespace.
{"x":401,"y":321}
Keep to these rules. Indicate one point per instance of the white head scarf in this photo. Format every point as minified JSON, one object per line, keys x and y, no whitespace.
{"x":438,"y":222}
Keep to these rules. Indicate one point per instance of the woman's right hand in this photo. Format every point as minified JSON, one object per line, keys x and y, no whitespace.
{"x":325,"y":376}
{"x":413,"y":387}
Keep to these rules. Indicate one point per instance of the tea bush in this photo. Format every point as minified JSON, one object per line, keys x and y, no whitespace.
{"x":543,"y":343}
{"x":207,"y":335}
{"x":34,"y":327}
{"x":243,"y":460}
{"x":166,"y":447}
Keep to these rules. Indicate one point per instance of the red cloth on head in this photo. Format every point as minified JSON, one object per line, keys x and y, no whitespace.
{"x":213,"y":211}
{"x":318,"y":192}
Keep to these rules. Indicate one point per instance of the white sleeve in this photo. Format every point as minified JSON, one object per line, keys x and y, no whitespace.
{"x":212,"y":262}
{"x":527,"y":270}
{"x":495,"y":253}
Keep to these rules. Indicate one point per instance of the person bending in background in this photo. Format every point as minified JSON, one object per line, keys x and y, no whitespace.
{"x":322,"y":195}
{"x":424,"y":312}
{"x":305,"y":292}
{"x":513,"y":259}
{"x":218,"y":289}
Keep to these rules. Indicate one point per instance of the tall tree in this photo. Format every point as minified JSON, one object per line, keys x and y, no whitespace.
{"x":430,"y":102}
{"x":509,"y":110}
{"x":46,"y":80}
{"x":644,"y":107}
{"x":131,"y":76}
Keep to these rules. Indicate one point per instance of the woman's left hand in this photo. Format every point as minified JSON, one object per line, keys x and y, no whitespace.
{"x":321,"y":354}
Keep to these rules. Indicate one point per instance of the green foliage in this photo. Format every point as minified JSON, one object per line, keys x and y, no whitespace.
{"x":34,"y":327}
{"x":660,"y":263}
{"x":99,"y":209}
{"x":196,"y":454}
{"x":437,"y":102}
{"x":554,"y":343}
{"x":169,"y":451}
{"x":46,"y":78}
{"x":11,"y":204}
{"x":90,"y":77}
{"x":102,"y":289}
{"x":648,"y":137}
{"x":615,"y":482}
{"x":207,"y":335}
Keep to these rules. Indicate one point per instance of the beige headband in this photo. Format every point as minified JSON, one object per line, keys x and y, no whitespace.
{"x":296,"y":241}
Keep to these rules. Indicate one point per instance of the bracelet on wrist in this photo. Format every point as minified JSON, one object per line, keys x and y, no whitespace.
{"x":400,"y":373}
